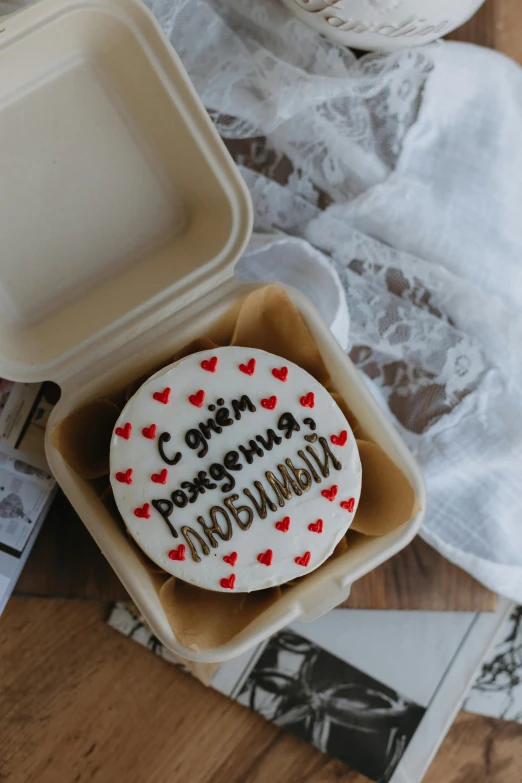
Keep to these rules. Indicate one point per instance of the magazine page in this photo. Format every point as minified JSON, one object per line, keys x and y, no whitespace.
{"x":24,"y":411}
{"x":375,"y":689}
{"x":24,"y":491}
{"x":16,"y":402}
{"x":26,"y":486}
{"x":497,"y":691}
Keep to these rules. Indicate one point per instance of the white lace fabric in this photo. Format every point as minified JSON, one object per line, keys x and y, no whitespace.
{"x":415,"y":156}
{"x":389,"y":188}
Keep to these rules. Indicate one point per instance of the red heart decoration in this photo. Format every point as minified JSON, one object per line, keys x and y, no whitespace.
{"x":149,"y":432}
{"x":349,"y":505}
{"x":229,"y":583}
{"x":198,"y":398}
{"x":231,"y":558}
{"x":266,"y":557}
{"x":160,"y":478}
{"x":144,"y":512}
{"x":339,"y":440}
{"x":304,"y":559}
{"x":125,"y":478}
{"x":330,"y":494}
{"x":308,"y":401}
{"x":210,"y":364}
{"x":283,"y":525}
{"x":162,"y":396}
{"x":178,"y":554}
{"x":124,"y":432}
{"x":280,"y":374}
{"x":316,"y":527}
{"x":269,"y":403}
{"x":249,"y":368}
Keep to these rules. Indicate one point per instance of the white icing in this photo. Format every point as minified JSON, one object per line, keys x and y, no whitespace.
{"x":142,"y":456}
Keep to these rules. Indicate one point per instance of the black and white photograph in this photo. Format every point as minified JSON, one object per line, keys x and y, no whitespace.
{"x":323,"y":700}
{"x":497,"y":691}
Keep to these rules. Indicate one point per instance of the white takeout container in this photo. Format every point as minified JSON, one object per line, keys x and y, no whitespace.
{"x":122,"y":216}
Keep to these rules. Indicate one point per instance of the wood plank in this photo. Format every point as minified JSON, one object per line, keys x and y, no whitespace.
{"x":481,"y":28}
{"x":498,"y":25}
{"x":477,"y":750}
{"x":80,"y":702}
{"x":66,"y":563}
{"x":420,"y":578}
{"x":508,"y":28}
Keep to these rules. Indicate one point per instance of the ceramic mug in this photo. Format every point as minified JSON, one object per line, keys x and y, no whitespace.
{"x":383,"y":24}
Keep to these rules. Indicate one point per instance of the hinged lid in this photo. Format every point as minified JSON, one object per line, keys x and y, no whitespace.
{"x":118,"y":200}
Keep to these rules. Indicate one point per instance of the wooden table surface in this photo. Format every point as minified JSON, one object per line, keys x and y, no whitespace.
{"x":80,"y":703}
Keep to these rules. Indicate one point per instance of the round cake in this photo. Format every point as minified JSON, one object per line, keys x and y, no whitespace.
{"x":235,"y":470}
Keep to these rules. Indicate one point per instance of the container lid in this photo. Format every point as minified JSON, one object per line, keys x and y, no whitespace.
{"x":118,"y":201}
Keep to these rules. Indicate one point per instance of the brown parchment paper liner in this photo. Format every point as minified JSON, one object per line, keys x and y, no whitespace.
{"x":83,"y":438}
{"x":268,"y":320}
{"x":207,"y":619}
{"x":265,"y":319}
{"x":387,"y":498}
